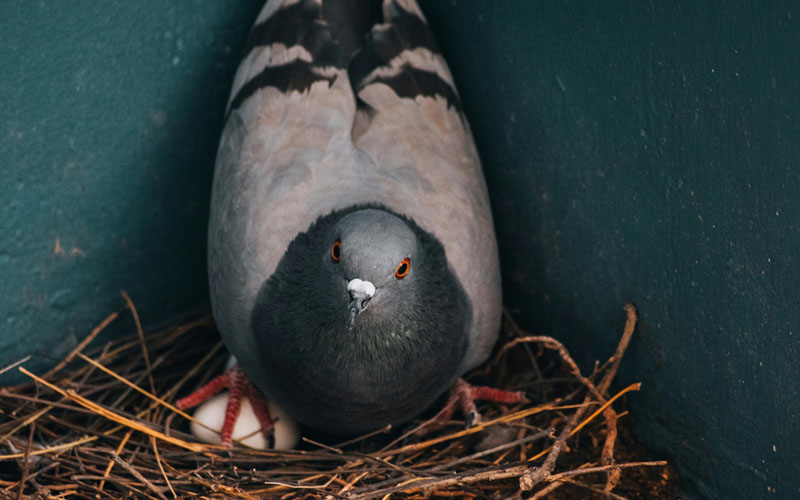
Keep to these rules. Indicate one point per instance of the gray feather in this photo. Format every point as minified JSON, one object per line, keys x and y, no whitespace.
{"x":290,"y":154}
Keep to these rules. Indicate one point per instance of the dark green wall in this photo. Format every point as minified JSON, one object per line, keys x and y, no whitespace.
{"x":650,"y":151}
{"x":642,"y":151}
{"x":110,"y":116}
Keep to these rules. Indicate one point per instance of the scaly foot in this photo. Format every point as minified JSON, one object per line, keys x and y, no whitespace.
{"x":464,"y":395}
{"x":238,"y":386}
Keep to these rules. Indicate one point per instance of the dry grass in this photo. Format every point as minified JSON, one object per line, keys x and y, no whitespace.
{"x":96,"y":426}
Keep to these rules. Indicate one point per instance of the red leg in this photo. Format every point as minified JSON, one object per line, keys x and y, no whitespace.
{"x":463,"y":392}
{"x":204,"y":393}
{"x":437,"y":422}
{"x":238,"y":386}
{"x":260,"y":408}
{"x":464,"y":395}
{"x":483,"y":393}
{"x":236,"y":392}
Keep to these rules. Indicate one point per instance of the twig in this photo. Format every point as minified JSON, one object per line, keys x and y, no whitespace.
{"x":138,"y":475}
{"x":546,"y":490}
{"x":193,"y":371}
{"x":632,"y":387}
{"x":594,"y":489}
{"x":28,"y":421}
{"x":537,"y":475}
{"x":161,"y":466}
{"x":431,"y":484}
{"x":110,"y":465}
{"x":347,"y":487}
{"x":37,"y":473}
{"x":323,"y":446}
{"x":140,"y":333}
{"x":477,"y":428}
{"x":616,"y":359}
{"x":533,"y":477}
{"x":51,"y":449}
{"x":555,"y":345}
{"x":15,"y":364}
{"x":512,"y":444}
{"x":604,"y":468}
{"x":119,"y":418}
{"x":95,"y":332}
{"x":143,"y":392}
{"x":26,"y":462}
{"x":607,"y":457}
{"x":368,"y":435}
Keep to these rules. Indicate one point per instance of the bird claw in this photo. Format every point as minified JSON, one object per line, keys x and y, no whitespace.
{"x":464,"y":395}
{"x":472,"y":419}
{"x":238,"y":386}
{"x":532,"y":397}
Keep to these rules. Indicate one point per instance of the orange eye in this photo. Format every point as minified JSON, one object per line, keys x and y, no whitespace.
{"x":336,"y":250}
{"x":402,"y":269}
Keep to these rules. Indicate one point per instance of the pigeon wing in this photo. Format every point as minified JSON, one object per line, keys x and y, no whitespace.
{"x":325,"y":113}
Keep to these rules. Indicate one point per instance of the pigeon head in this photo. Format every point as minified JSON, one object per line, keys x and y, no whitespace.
{"x":362,"y":324}
{"x":372,"y":255}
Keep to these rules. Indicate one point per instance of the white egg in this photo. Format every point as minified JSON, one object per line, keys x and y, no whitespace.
{"x":212,"y":414}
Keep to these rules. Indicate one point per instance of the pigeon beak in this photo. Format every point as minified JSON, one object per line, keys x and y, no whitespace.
{"x":360,"y":294}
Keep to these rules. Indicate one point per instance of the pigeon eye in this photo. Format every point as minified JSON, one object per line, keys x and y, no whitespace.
{"x":402,"y":269}
{"x":336,"y":250}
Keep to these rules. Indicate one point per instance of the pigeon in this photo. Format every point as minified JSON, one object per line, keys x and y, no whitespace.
{"x":352,"y":260}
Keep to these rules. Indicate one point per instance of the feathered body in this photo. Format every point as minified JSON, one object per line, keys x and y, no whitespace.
{"x":329,"y":115}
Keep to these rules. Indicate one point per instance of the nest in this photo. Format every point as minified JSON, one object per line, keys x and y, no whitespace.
{"x":97,"y":426}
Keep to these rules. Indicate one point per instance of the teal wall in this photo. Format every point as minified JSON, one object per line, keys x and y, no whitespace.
{"x":110,"y":116}
{"x":650,"y":152}
{"x":642,"y":151}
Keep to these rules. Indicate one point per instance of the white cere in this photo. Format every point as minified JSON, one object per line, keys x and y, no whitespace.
{"x":361,"y":287}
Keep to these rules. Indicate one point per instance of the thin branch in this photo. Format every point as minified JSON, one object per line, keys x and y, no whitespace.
{"x":140,"y":333}
{"x":26,"y":462}
{"x":15,"y":364}
{"x":604,"y":468}
{"x":86,"y":341}
{"x":138,"y":475}
{"x":616,"y":359}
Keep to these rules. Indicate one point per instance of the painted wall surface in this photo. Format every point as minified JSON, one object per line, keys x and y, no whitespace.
{"x":110,"y":116}
{"x":642,"y":151}
{"x":650,"y":151}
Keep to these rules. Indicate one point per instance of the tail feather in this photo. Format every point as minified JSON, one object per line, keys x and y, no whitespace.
{"x":290,"y":48}
{"x":296,"y":43}
{"x":350,"y":22}
{"x":403,"y":54}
